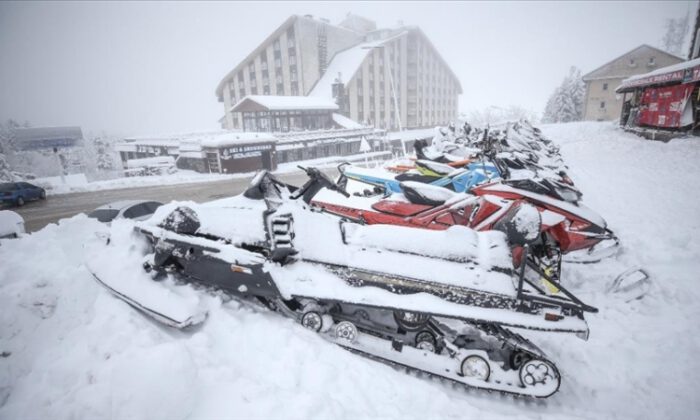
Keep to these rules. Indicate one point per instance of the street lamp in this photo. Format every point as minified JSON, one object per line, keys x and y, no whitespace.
{"x":393,"y":94}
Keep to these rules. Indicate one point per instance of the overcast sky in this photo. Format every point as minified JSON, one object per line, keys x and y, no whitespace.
{"x":139,"y":68}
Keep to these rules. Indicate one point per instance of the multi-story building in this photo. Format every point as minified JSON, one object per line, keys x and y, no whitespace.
{"x":601,"y":102}
{"x":389,"y":78}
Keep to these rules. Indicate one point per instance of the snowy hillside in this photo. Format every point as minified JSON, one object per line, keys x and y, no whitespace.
{"x":69,"y":349}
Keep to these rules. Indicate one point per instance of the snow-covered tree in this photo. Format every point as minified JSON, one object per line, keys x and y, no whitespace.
{"x":5,"y":171}
{"x":676,"y":31}
{"x":566,"y":102}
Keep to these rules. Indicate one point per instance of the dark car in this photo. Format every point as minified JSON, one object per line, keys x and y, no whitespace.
{"x":18,"y":193}
{"x":127,"y":209}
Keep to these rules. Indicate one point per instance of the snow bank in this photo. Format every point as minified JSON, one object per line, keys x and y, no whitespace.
{"x":70,"y":350}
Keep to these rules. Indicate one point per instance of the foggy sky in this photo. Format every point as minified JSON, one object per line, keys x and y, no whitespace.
{"x":139,"y":68}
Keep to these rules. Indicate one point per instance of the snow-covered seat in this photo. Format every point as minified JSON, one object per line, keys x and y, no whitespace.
{"x":439,"y":168}
{"x":426,"y":194}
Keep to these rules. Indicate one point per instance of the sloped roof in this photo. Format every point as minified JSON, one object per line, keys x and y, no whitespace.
{"x":604,"y":70}
{"x":345,"y":122}
{"x":346,"y":63}
{"x":282,"y":103}
{"x":48,"y":133}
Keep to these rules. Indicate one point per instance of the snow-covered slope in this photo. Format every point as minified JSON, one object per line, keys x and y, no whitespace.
{"x":68,"y":349}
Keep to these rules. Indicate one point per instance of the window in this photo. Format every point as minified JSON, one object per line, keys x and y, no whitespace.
{"x":652,"y":61}
{"x":605,"y":86}
{"x":240,"y":76}
{"x":602,"y":104}
{"x":242,"y":92}
{"x":266,"y":90}
{"x":292,"y":60}
{"x":251,"y":67}
{"x":280,"y":87}
{"x":290,"y":36}
{"x":276,"y":45}
{"x":295,"y":88}
{"x":632,"y":62}
{"x":138,"y":210}
{"x":278,"y":62}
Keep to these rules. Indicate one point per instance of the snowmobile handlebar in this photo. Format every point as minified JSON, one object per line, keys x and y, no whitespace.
{"x":317,"y":181}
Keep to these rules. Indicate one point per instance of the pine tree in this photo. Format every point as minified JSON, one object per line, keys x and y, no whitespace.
{"x":566,"y":102}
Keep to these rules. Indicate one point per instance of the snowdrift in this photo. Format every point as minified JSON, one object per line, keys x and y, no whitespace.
{"x":68,"y":349}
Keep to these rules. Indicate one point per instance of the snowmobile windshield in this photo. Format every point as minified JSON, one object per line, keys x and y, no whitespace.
{"x":567,"y":194}
{"x":264,"y":185}
{"x":104,"y":215}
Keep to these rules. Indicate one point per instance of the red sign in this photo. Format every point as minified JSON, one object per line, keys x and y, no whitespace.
{"x":664,"y":106}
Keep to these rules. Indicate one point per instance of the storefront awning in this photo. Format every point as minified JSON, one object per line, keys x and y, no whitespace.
{"x":686,"y":72}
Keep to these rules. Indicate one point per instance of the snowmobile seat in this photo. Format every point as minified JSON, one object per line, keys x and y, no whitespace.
{"x":399,"y":208}
{"x":425,"y":194}
{"x":425,"y":179}
{"x":439,"y":169}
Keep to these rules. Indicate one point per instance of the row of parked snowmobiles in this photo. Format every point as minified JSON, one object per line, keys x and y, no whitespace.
{"x":428,"y":278}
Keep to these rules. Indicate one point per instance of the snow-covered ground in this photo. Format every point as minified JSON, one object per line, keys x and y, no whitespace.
{"x":78,"y":182}
{"x":68,"y":349}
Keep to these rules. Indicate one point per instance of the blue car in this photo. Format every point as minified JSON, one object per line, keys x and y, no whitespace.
{"x":18,"y":193}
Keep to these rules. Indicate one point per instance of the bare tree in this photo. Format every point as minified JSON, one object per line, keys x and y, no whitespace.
{"x":676,"y":31}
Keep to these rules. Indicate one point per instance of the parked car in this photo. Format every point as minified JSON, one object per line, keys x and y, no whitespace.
{"x":11,"y":224}
{"x":128,"y":209}
{"x":18,"y":193}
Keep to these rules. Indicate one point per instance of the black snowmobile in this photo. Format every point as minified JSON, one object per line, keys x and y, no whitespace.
{"x":438,"y":302}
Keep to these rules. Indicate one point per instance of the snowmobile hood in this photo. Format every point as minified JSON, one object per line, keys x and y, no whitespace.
{"x":579,"y":210}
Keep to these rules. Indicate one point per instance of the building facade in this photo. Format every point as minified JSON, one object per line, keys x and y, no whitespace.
{"x":601,"y":102}
{"x":48,"y":151}
{"x":389,"y":78}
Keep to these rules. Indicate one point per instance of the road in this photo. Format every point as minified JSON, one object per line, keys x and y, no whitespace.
{"x":38,"y":214}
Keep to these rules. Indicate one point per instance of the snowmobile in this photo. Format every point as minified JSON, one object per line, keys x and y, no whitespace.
{"x":558,"y":186}
{"x":439,"y":302}
{"x":433,"y":173}
{"x":565,"y":228}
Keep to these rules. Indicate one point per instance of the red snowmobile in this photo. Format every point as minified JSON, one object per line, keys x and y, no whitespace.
{"x":566,"y":228}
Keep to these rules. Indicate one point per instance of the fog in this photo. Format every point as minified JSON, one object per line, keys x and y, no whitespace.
{"x":137,"y":68}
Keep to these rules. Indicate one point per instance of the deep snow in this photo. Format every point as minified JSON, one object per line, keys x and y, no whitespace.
{"x":68,"y":349}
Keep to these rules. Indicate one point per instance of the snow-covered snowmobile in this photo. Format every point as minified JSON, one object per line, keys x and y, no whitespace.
{"x":566,"y":229}
{"x":439,"y":302}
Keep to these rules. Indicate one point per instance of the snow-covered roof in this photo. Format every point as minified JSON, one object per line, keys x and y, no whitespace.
{"x":345,"y":122}
{"x":346,"y":63}
{"x":234,"y":138}
{"x":280,"y":103}
{"x":297,"y":136}
{"x":685,"y":72}
{"x":218,"y":138}
{"x":421,"y":133}
{"x":150,"y":161}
